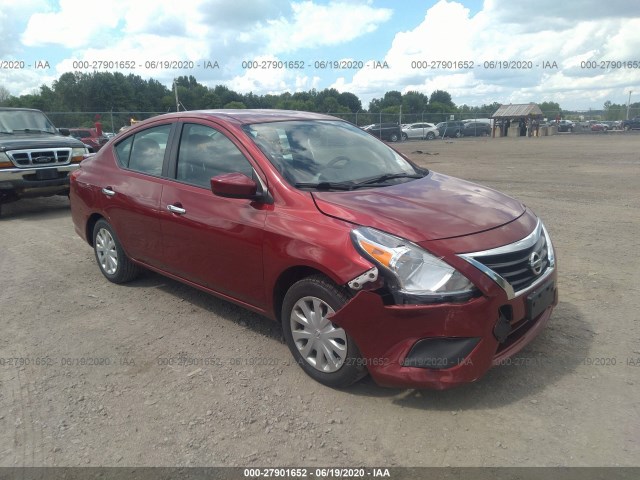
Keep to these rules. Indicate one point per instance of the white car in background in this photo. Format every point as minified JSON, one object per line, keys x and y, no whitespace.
{"x":420,"y":130}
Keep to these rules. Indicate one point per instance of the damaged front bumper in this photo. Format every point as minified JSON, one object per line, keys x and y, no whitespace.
{"x":442,"y":345}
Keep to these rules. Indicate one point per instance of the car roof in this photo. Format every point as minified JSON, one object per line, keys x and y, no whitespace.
{"x":20,"y":108}
{"x":246,"y":116}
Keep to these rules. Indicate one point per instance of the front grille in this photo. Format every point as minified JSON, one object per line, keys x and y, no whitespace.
{"x":519,"y":265}
{"x":515,"y":267}
{"x":40,"y":157}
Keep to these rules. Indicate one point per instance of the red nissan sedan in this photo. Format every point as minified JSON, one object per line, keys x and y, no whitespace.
{"x":371,"y":263}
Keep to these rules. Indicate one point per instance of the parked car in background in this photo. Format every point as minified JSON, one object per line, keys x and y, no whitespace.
{"x":35,"y":157}
{"x":599,"y":127}
{"x":422,"y":131}
{"x":370,"y":263}
{"x":476,"y":129}
{"x":90,"y":137}
{"x":450,"y":129}
{"x":565,"y":126}
{"x":633,"y":124}
{"x":385,"y":131}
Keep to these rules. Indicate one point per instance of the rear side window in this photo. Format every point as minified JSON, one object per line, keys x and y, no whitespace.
{"x":144,"y":151}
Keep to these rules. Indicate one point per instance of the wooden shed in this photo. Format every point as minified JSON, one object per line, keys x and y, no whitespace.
{"x":516,"y":119}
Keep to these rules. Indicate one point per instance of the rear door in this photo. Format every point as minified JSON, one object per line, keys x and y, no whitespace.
{"x":131,"y":194}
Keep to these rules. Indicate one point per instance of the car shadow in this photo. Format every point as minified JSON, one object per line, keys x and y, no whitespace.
{"x":558,"y":351}
{"x":212,"y":304}
{"x":35,"y":208}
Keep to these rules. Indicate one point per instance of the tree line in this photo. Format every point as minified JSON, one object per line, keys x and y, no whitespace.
{"x":81,"y":95}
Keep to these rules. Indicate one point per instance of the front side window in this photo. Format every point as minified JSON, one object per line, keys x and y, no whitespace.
{"x":144,"y":151}
{"x":206,"y":152}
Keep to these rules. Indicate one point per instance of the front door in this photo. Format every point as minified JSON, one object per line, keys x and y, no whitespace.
{"x":212,"y":241}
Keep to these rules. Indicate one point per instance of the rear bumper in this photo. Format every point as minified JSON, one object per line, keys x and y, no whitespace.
{"x":25,"y":182}
{"x":439,"y":346}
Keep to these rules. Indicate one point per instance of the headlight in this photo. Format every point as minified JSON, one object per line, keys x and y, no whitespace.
{"x":416,"y":275}
{"x":77,"y":154}
{"x":4,"y":161}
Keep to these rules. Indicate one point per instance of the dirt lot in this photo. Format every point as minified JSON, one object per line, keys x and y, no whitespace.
{"x":121,"y":375}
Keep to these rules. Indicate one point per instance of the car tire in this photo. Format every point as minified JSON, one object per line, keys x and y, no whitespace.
{"x":458,"y":134}
{"x":337,"y":363}
{"x":394,"y":137}
{"x":112,"y":261}
{"x":405,"y":137}
{"x":431,"y":136}
{"x":627,"y":128}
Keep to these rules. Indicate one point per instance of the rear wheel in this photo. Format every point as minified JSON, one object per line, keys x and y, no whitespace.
{"x":324,"y":350}
{"x":113,"y":262}
{"x":394,"y":137}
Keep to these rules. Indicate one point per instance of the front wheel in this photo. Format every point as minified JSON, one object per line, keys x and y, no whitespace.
{"x":458,"y":134}
{"x":405,"y":137}
{"x":431,"y":136}
{"x":113,"y":262}
{"x":324,"y":350}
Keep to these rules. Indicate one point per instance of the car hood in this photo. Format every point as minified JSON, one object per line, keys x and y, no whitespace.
{"x":431,"y":208}
{"x":34,"y":140}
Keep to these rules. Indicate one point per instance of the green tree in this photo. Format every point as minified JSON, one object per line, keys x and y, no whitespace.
{"x":442,"y":97}
{"x":349,"y":100}
{"x":414,"y":102}
{"x":4,"y":95}
{"x":235,"y":104}
{"x":550,"y":109}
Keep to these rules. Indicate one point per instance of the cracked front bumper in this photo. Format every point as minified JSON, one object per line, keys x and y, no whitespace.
{"x":439,"y":346}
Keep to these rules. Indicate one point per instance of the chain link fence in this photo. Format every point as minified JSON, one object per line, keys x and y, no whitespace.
{"x":111,"y":121}
{"x":114,"y":121}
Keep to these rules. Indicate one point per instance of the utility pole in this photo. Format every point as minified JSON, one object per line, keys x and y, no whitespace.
{"x":175,"y":91}
{"x":628,"y":104}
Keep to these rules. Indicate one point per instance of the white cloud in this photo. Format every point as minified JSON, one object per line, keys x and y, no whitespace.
{"x":12,"y":14}
{"x":271,"y":80}
{"x":448,"y":32}
{"x":314,"y":25}
{"x":76,"y":24}
{"x":232,"y":31}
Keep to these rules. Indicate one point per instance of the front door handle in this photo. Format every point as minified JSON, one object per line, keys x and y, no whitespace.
{"x":176,"y":209}
{"x":108,"y":192}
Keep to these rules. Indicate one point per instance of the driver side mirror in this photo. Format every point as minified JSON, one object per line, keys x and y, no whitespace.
{"x":235,"y":185}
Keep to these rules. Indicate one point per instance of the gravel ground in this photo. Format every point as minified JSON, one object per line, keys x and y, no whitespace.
{"x":155,"y":373}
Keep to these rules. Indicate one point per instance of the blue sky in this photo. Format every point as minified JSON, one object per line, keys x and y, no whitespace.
{"x":569,"y":52}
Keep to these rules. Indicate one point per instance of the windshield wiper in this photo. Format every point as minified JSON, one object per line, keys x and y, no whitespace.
{"x":388,"y":176}
{"x":326,"y":185}
{"x":33,"y":130}
{"x":6,"y":133}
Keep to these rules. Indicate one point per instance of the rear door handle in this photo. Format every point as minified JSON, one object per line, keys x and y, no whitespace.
{"x":108,"y":192}
{"x":176,"y":209}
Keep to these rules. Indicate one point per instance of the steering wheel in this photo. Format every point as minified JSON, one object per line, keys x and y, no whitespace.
{"x":336,"y":160}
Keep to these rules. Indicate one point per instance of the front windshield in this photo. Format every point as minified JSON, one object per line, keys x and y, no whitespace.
{"x":309,"y":153}
{"x":24,"y":120}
